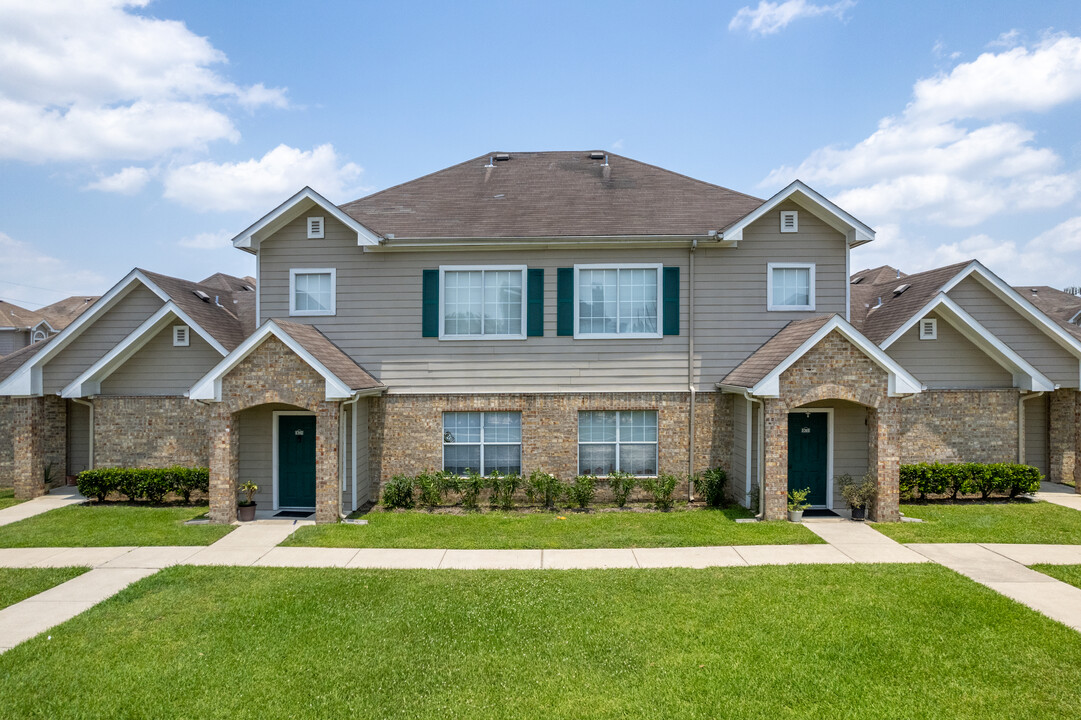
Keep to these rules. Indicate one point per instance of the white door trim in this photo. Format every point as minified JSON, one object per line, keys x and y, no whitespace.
{"x":829,"y":452}
{"x":274,"y":451}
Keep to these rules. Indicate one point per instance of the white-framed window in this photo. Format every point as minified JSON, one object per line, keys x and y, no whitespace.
{"x":482,"y":302}
{"x":929,"y":329}
{"x":623,"y":440}
{"x":484,"y":442}
{"x":617,"y":301}
{"x":316,"y":227}
{"x":312,"y":291}
{"x":181,"y":336}
{"x":789,"y":221}
{"x":790,"y":286}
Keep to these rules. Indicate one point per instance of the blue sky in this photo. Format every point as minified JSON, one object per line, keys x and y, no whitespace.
{"x":136,"y":134}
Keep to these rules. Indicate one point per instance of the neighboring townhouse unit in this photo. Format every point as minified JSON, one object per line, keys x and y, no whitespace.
{"x":20,"y":327}
{"x":575,"y":312}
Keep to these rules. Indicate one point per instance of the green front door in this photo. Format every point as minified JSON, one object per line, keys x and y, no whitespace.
{"x":808,"y":450}
{"x":296,"y":461}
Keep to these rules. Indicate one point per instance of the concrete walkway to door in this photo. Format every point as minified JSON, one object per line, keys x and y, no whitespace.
{"x":1063,"y":495}
{"x":57,"y":498}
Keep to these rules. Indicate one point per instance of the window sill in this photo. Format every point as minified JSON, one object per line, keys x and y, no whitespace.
{"x":311,"y":313}
{"x":481,"y":337}
{"x":790,"y":308}
{"x":618,"y":336}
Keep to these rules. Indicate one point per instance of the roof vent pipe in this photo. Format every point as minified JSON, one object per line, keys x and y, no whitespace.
{"x":491,"y":162}
{"x":898,"y":274}
{"x":605,"y":161}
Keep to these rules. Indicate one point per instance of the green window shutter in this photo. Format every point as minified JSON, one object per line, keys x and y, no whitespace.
{"x":671,"y":300}
{"x":565,"y":301}
{"x":430,"y":304}
{"x":535,"y":308}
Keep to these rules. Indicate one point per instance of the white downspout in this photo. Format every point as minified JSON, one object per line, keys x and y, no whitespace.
{"x":1021,"y":400}
{"x":761,"y":453}
{"x":690,"y":368}
{"x":90,"y":460}
{"x":341,"y":441}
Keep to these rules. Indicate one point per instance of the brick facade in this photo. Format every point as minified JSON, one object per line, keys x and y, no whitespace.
{"x":150,"y":432}
{"x":1065,"y":437}
{"x":272,"y":373}
{"x":36,"y":444}
{"x":960,"y":426}
{"x":406,"y":431}
{"x":7,"y":442}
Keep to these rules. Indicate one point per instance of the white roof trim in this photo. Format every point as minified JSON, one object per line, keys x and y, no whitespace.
{"x":901,"y":382}
{"x":209,"y":386}
{"x":26,"y":381}
{"x":1025,"y":376}
{"x":45,"y":323}
{"x":855,"y":231}
{"x":89,"y":382}
{"x":250,"y":238}
{"x":1017,"y":301}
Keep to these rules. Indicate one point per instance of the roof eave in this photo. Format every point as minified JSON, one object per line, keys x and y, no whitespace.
{"x":249,"y":239}
{"x":855,"y":231}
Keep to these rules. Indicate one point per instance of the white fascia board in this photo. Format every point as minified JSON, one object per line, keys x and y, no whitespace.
{"x":26,"y":381}
{"x":1025,"y":375}
{"x":89,"y":382}
{"x":901,"y":382}
{"x":855,"y":231}
{"x":1017,"y":301}
{"x":46,"y":324}
{"x":209,"y":386}
{"x":249,"y":238}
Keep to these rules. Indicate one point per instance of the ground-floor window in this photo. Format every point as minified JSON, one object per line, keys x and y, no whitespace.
{"x":624,"y":440}
{"x":484,"y":442}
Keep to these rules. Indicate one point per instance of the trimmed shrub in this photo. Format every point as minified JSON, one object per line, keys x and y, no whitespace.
{"x":151,"y":484}
{"x":470,"y":488}
{"x":545,"y":487}
{"x":189,"y":480}
{"x":987,"y":479}
{"x":503,"y":489}
{"x":661,"y":489}
{"x":622,"y":485}
{"x":398,"y":492}
{"x":711,"y":485}
{"x":429,"y":489}
{"x":582,"y":491}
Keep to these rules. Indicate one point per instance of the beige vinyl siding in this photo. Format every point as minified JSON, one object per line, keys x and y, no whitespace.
{"x":378,"y":320}
{"x":99,"y":338}
{"x":78,"y":437}
{"x":159,"y":368}
{"x":849,"y":440}
{"x":1025,"y":338}
{"x":737,"y":476}
{"x":730,"y":295}
{"x":756,"y":451}
{"x":256,"y":429}
{"x":12,"y":340}
{"x":364,"y":485}
{"x":1036,"y":434}
{"x":951,"y":361}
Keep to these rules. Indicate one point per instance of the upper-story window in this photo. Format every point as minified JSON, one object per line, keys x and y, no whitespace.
{"x":312,"y":291}
{"x":617,"y":301}
{"x":790,"y":286}
{"x":482,"y":302}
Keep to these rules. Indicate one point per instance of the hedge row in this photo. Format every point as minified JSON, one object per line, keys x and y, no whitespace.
{"x":923,"y":479}
{"x":151,"y":484}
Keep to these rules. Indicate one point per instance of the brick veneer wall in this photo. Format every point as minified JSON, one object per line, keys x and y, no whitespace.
{"x":7,"y":447}
{"x":1065,"y":436}
{"x":406,"y":431}
{"x":150,"y":432}
{"x":959,"y":426}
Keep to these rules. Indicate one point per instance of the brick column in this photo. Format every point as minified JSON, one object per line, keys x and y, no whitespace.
{"x":224,"y":465}
{"x":884,"y":459}
{"x":1062,"y":408}
{"x":55,"y":438}
{"x":28,"y":447}
{"x":775,"y":505}
{"x":327,"y":496}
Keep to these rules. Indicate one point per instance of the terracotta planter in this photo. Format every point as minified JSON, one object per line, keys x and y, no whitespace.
{"x":245,"y":513}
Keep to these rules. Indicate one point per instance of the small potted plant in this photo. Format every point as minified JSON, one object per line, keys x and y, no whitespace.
{"x":858,"y":493}
{"x":797,"y":503}
{"x":245,"y":511}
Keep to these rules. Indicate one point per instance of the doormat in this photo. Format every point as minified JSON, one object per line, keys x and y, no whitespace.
{"x":295,"y":514}
{"x":819,"y":512}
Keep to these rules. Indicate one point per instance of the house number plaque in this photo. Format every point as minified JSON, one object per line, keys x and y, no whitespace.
{"x":805,"y":431}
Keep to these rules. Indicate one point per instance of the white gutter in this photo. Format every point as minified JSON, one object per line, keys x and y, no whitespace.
{"x":353,"y":446}
{"x":90,"y":460}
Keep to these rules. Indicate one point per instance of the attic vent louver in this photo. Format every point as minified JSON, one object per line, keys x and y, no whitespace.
{"x":315,"y":227}
{"x":501,"y":157}
{"x":900,"y":289}
{"x":181,"y":336}
{"x":596,"y":156}
{"x":857,"y":281}
{"x":789,"y":221}
{"x":929,"y":329}
{"x":201,"y":295}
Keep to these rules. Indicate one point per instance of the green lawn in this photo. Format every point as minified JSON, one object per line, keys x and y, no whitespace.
{"x":1066,"y":573}
{"x":7,"y":498}
{"x":18,"y":584}
{"x":419,"y":529}
{"x":1017,"y":522}
{"x":110,"y":525}
{"x":794,"y":642}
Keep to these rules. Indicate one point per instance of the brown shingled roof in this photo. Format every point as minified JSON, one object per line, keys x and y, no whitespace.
{"x":550,"y":194}
{"x":879,"y":323}
{"x":61,"y":313}
{"x":774,"y":351}
{"x":1057,"y":305}
{"x":13,"y":361}
{"x":12,"y":315}
{"x":221,"y":321}
{"x":332,"y":357}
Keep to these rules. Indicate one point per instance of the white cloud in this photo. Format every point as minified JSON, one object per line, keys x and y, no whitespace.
{"x":208,"y":240}
{"x":254,"y":185}
{"x":771,"y":17}
{"x":128,"y":181}
{"x":93,"y":79}
{"x":24,"y":265}
{"x":618,"y":144}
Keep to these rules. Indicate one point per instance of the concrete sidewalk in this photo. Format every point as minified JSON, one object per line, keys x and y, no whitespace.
{"x":1063,"y":495}
{"x":57,"y":498}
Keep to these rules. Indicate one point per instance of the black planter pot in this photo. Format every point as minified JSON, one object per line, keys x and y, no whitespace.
{"x":245,"y":513}
{"x":859,"y":513}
